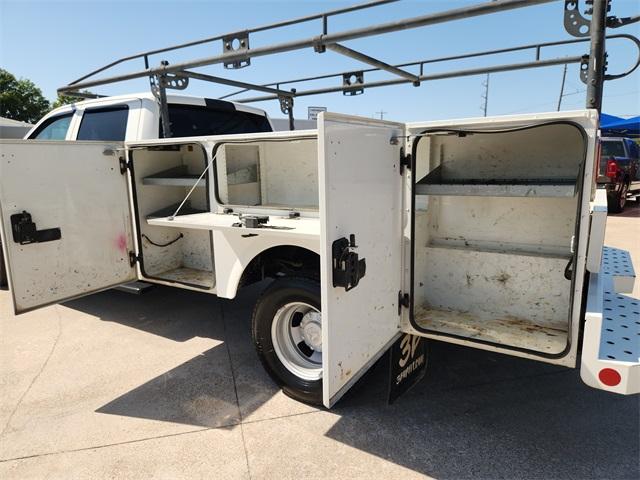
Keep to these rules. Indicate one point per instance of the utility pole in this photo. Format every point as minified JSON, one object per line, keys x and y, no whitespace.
{"x":381,"y":113}
{"x":564,"y":76}
{"x":485,"y":95}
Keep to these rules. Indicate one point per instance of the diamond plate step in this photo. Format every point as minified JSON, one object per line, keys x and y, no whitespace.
{"x":617,"y":264}
{"x":620,"y":337}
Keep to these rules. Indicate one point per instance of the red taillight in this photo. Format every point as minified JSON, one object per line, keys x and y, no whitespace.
{"x":612,"y":169}
{"x":609,"y":377}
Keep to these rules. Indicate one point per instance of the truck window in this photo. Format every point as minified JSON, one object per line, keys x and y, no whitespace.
{"x":108,"y":124}
{"x":55,"y":128}
{"x":612,"y":148}
{"x":634,"y":151}
{"x":195,"y":120}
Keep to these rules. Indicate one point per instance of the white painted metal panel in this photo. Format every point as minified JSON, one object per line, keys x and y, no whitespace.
{"x":73,"y":186}
{"x":611,"y":330}
{"x":360,"y":193}
{"x":596,"y":232}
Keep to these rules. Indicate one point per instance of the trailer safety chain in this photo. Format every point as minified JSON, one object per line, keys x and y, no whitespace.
{"x":162,"y":244}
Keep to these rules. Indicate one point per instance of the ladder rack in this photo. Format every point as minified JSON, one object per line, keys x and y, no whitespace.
{"x":236,"y":53}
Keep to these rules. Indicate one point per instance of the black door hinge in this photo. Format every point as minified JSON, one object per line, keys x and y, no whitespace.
{"x":405,"y":161}
{"x":403,"y":301}
{"x":124,"y":164}
{"x":133,"y":258}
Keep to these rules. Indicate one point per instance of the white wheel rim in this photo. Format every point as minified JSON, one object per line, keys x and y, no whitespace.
{"x":296,"y":334}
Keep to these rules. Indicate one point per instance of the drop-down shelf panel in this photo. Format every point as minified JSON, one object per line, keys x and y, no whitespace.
{"x":165,"y":212}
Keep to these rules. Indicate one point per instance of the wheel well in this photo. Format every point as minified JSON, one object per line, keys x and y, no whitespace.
{"x":281,"y":261}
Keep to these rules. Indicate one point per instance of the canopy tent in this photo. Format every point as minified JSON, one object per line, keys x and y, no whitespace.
{"x":611,"y":125}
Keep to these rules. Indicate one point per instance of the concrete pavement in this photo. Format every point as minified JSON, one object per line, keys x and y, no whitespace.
{"x":167,"y":385}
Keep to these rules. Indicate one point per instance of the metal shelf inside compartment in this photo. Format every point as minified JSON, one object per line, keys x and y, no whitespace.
{"x":434,"y":184}
{"x":186,"y":209}
{"x":174,"y":177}
{"x":509,"y":331}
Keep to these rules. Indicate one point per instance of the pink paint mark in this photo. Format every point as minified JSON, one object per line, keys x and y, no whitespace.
{"x":121,"y":243}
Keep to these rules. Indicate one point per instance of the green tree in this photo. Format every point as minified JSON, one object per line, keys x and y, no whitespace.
{"x":20,"y":99}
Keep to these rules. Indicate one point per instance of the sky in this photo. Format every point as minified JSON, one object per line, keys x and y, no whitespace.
{"x":53,"y":42}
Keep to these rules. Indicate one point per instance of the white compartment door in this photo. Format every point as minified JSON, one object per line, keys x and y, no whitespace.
{"x":66,"y":222}
{"x":360,"y":195}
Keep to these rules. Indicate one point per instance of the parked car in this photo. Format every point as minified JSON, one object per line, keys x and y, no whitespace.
{"x":619,"y":170}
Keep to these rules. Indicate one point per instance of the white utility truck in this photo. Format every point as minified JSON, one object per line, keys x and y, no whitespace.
{"x":482,"y":232}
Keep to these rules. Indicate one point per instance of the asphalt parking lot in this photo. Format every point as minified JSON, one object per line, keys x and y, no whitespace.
{"x":167,"y":385}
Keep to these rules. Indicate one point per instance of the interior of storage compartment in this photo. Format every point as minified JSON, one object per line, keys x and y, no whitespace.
{"x":495,"y":216}
{"x":275,"y":173}
{"x":163,"y":175}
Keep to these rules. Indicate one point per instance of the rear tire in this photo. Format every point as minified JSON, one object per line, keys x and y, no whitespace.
{"x":617,"y":200}
{"x":287,"y":334}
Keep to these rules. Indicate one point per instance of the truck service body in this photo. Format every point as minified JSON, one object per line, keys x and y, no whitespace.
{"x":482,"y":232}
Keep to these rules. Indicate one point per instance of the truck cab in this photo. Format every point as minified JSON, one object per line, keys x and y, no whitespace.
{"x":137,"y":117}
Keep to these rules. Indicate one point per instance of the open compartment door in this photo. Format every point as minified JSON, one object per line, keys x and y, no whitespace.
{"x":360,"y":196}
{"x":500,"y":231}
{"x":66,"y":222}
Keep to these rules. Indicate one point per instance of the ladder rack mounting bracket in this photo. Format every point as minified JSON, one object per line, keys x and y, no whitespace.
{"x":352,"y":83}
{"x":174,"y":81}
{"x":234,"y":44}
{"x":286,"y":104}
{"x":574,"y":23}
{"x":584,"y":69}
